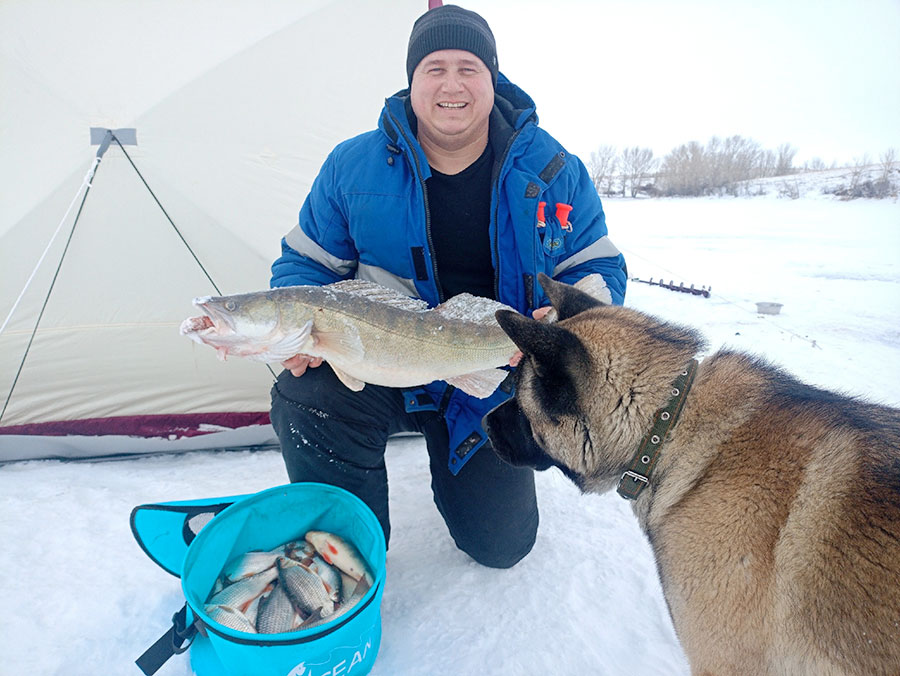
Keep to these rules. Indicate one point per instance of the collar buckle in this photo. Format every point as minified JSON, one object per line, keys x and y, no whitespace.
{"x":639,"y":482}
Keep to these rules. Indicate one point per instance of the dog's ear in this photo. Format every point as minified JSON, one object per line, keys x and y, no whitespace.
{"x":566,"y":299}
{"x":549,"y":344}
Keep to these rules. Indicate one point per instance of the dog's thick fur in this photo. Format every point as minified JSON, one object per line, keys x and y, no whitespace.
{"x":773,"y":511}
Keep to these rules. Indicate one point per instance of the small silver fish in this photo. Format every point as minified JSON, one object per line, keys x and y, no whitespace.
{"x":330,"y":575}
{"x":348,"y":584}
{"x":252,"y":610}
{"x":242,"y":593}
{"x":276,"y":612}
{"x":299,"y":550}
{"x":306,"y":589}
{"x":230,"y":617}
{"x":250,"y":564}
{"x":359,"y":590}
{"x":338,"y":552}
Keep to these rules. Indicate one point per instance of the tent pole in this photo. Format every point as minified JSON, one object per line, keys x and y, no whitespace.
{"x":174,"y":227}
{"x":104,"y":145}
{"x":86,"y":183}
{"x":166,"y":214}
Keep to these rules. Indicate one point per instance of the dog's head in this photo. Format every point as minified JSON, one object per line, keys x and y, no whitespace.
{"x":587,"y":387}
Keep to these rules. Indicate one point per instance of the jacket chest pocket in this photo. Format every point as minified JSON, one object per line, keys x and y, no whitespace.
{"x":551,"y":231}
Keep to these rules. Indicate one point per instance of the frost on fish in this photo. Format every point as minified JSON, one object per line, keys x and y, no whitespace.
{"x":380,"y":294}
{"x":468,"y":308}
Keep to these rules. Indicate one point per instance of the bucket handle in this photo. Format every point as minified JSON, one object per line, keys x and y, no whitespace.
{"x":168,"y":644}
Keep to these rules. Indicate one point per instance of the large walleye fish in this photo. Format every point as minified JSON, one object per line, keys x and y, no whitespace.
{"x":366,"y":332}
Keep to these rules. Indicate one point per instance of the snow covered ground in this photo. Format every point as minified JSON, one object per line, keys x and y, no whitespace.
{"x":82,"y":599}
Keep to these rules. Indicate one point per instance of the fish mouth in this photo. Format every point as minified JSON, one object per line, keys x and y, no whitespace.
{"x":212,"y":322}
{"x":232,"y":333}
{"x":196,"y":325}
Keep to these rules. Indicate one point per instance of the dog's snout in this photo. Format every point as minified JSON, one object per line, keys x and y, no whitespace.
{"x":510,"y":434}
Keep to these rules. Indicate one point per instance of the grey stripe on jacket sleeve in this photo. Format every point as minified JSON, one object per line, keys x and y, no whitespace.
{"x":372,"y":273}
{"x":602,"y":248}
{"x":303,"y":245}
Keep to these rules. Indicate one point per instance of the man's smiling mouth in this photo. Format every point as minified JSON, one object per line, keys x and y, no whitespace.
{"x":452,"y":105}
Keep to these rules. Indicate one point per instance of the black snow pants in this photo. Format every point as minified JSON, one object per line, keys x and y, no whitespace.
{"x":333,"y":435}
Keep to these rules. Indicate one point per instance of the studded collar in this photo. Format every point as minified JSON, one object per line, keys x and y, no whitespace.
{"x":637,"y":477}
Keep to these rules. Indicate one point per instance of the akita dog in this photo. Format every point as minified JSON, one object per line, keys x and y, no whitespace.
{"x":772,"y":507}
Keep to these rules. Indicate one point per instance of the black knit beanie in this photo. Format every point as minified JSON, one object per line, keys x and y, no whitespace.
{"x":451,"y":27}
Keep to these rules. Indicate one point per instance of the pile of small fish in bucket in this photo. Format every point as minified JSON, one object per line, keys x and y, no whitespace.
{"x":298,"y":585}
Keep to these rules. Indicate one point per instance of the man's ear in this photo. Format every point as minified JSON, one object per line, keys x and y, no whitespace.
{"x":566,"y":299}
{"x":548,"y":344}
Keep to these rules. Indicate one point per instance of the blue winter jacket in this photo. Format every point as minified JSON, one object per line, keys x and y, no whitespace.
{"x":366,"y":216}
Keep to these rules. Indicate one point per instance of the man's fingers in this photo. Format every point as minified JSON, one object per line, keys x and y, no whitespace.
{"x":541,"y":312}
{"x":298,"y":364}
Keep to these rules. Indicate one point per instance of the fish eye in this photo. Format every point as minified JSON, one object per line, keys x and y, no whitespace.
{"x":230,"y":305}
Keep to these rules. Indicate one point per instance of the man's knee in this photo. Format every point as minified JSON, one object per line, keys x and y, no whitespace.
{"x":502,"y":552}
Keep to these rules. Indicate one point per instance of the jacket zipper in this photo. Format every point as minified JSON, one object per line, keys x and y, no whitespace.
{"x":496,"y":242}
{"x":428,"y":237}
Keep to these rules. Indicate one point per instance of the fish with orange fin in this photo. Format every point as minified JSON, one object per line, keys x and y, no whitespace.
{"x":338,"y":552}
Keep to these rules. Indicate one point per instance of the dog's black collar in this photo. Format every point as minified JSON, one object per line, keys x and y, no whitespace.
{"x":637,"y":476}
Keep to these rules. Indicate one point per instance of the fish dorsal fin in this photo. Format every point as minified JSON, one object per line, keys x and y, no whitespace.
{"x":468,"y":308}
{"x":479,"y":384}
{"x":379,"y":294}
{"x":352,"y":383}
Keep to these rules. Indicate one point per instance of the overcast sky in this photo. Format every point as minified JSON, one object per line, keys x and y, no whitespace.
{"x":821,"y":75}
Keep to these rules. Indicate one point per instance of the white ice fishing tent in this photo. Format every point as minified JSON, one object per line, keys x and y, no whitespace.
{"x":221,"y":114}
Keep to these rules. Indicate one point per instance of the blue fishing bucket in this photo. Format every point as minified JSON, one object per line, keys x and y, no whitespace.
{"x":347,"y":645}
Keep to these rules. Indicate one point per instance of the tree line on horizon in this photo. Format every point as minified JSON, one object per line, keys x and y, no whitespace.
{"x":721,"y":167}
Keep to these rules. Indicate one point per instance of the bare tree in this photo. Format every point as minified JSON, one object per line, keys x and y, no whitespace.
{"x":602,"y":167}
{"x":637,"y":165}
{"x":887,"y":159}
{"x":767,"y":162}
{"x":857,"y":170}
{"x":684,"y":171}
{"x":739,"y":161}
{"x":815,"y":164}
{"x":785,"y":159}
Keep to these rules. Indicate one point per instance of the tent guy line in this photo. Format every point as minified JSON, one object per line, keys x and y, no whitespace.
{"x":104,"y":145}
{"x":104,"y":138}
{"x":86,"y":183}
{"x":166,"y":214}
